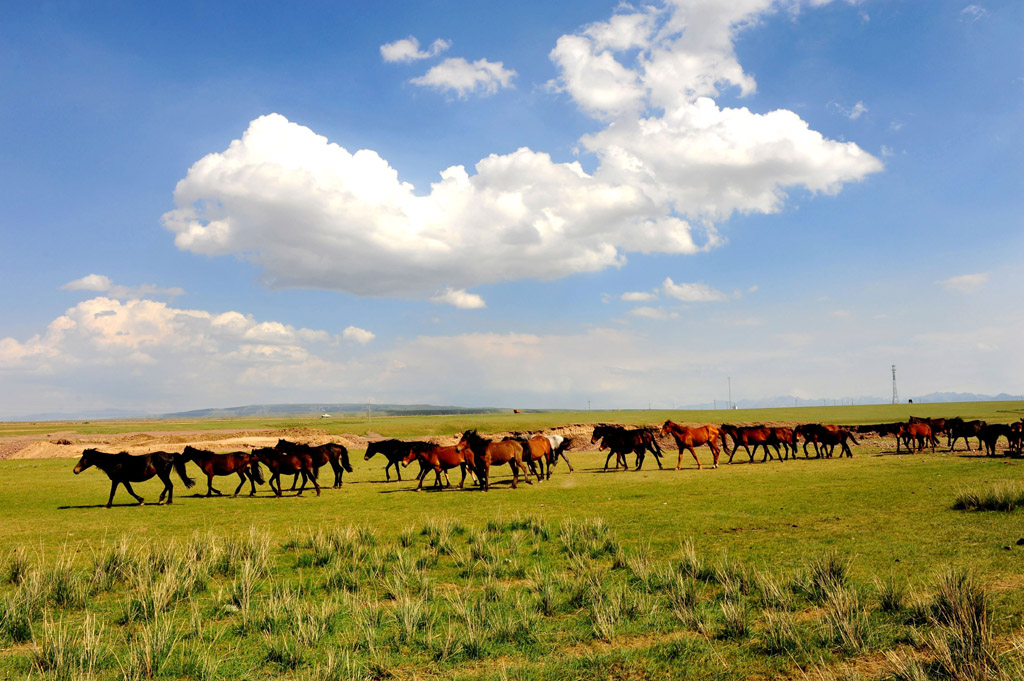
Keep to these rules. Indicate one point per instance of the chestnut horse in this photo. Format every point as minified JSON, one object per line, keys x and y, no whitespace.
{"x":915,"y":431}
{"x":816,"y":433}
{"x":688,"y":438}
{"x":536,"y":453}
{"x":333,"y":453}
{"x":123,"y":469}
{"x":486,"y":454}
{"x":242,"y":463}
{"x":440,"y":460}
{"x":299,"y":463}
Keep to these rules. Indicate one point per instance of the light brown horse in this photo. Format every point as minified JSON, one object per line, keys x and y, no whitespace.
{"x":440,"y":460}
{"x":537,"y":453}
{"x":242,"y":463}
{"x":688,"y":438}
{"x":487,"y":454}
{"x":920,"y":432}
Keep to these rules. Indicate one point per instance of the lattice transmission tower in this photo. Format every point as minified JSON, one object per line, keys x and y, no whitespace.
{"x":895,"y":395}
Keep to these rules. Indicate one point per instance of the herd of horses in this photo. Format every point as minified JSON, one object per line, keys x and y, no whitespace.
{"x":529,"y":453}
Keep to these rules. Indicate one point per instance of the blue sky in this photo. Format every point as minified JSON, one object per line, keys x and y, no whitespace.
{"x":528,"y":205}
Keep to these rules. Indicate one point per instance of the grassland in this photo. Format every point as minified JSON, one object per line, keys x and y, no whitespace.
{"x":843,"y":568}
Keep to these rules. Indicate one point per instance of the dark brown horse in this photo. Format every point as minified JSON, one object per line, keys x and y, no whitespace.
{"x":392,"y":450}
{"x":333,"y":453}
{"x":958,"y":428}
{"x":991,"y":433}
{"x":745,"y":436}
{"x":242,"y":463}
{"x":828,"y":439}
{"x":487,"y":454}
{"x":816,"y":434}
{"x":619,"y":441}
{"x":440,"y":460}
{"x":123,"y":469}
{"x":278,"y":462}
{"x":688,"y":438}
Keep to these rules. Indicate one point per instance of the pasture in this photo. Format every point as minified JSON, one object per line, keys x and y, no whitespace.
{"x":840,"y":568}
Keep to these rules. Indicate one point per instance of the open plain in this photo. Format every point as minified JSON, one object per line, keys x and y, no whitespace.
{"x":808,"y":568}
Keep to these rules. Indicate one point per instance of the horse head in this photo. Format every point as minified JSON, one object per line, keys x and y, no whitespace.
{"x":86,"y":460}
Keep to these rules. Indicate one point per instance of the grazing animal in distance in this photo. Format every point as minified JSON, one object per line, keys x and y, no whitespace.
{"x":688,"y":438}
{"x":123,"y":469}
{"x":242,"y":463}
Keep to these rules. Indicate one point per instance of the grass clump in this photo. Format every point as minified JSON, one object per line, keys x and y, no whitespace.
{"x":1001,"y":497}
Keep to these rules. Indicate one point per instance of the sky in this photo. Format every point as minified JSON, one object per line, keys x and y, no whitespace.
{"x":531,"y":205}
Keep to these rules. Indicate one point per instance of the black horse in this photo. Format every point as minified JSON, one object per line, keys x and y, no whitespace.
{"x":333,"y":453}
{"x":123,"y":469}
{"x":393,"y":450}
{"x":957,"y":428}
{"x":620,"y":441}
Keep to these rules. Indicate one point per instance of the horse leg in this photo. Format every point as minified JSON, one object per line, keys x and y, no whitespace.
{"x":463,"y":481}
{"x":241,"y":481}
{"x":295,"y":481}
{"x":277,"y":490}
{"x":209,"y":486}
{"x":715,"y":451}
{"x":113,"y":488}
{"x":487,"y":477}
{"x":641,"y":454}
{"x":168,"y":489}
{"x":515,"y":473}
{"x":313,"y":474}
{"x":128,"y":486}
{"x":610,"y":454}
{"x":567,"y":462}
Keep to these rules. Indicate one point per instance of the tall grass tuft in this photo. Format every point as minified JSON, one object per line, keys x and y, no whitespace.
{"x":962,"y":640}
{"x":824,"y":575}
{"x":779,"y":634}
{"x":892,"y":594}
{"x":149,"y":650}
{"x":61,"y":653}
{"x":845,"y":623}
{"x":1000,"y":497}
{"x":735,"y":620}
{"x":17,"y":566}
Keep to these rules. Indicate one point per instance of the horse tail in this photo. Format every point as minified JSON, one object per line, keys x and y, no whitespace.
{"x":256,"y":471}
{"x":343,"y":455}
{"x":179,"y":465}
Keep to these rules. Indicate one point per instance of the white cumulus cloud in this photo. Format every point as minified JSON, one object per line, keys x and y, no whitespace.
{"x":692,"y":293}
{"x":100,"y":283}
{"x":463,"y":77}
{"x":357,"y":335}
{"x":671,"y":163}
{"x":408,"y":50}
{"x":460,"y":299}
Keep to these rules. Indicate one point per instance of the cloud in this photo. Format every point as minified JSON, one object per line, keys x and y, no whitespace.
{"x":966,"y":283}
{"x":460,"y":299}
{"x":357,"y":335}
{"x":464,"y":78}
{"x":639,"y":296}
{"x":853,"y":113}
{"x":653,"y":312}
{"x":90,"y":282}
{"x":670,"y":164}
{"x":973,"y":13}
{"x":99,"y":283}
{"x":692,"y":293}
{"x":408,"y":50}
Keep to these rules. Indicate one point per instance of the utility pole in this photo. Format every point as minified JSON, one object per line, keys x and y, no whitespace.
{"x":895,"y":395}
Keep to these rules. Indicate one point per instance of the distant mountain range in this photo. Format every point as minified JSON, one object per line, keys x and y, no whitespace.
{"x":355,"y":408}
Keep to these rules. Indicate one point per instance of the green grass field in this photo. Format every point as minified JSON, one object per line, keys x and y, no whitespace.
{"x":837,"y":568}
